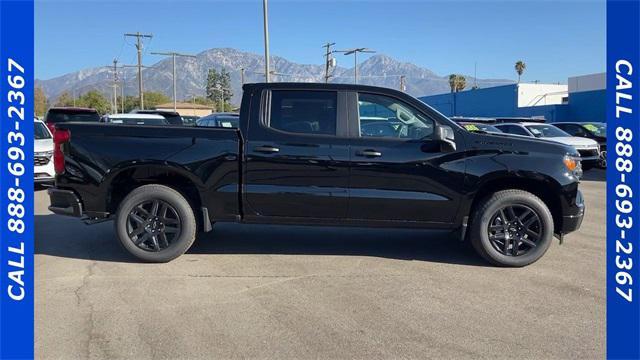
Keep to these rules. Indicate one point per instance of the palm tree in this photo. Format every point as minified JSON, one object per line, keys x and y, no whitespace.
{"x":452,"y":82}
{"x":520,"y":67}
{"x":461,"y":83}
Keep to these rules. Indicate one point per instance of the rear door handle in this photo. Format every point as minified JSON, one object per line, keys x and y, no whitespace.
{"x":266,"y":149}
{"x":369,"y":153}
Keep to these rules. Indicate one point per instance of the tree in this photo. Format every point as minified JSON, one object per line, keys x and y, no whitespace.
{"x":95,"y":100}
{"x":218,"y":88}
{"x":520,"y":67}
{"x":152,"y":99}
{"x":200,"y":100}
{"x":40,"y":102}
{"x":213,"y":81}
{"x":452,"y":82}
{"x":461,"y":83}
{"x":64,"y":99}
{"x":457,"y":82}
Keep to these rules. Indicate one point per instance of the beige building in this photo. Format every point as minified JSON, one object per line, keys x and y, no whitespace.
{"x":187,"y":109}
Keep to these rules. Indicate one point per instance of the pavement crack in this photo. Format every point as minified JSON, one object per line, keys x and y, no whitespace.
{"x":81,"y":301}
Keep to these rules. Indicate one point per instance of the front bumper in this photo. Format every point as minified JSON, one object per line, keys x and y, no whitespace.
{"x":43,"y":170}
{"x":64,"y":202}
{"x":572,"y":222}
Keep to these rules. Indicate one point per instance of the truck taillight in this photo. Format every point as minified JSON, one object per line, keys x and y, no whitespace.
{"x":60,"y":137}
{"x":52,"y":127}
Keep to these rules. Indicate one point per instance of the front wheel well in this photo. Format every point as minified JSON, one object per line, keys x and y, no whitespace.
{"x":538,"y":188}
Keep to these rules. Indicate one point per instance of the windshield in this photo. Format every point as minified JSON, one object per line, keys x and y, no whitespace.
{"x":481,"y":127}
{"x":41,"y":131}
{"x":67,"y":116}
{"x":597,"y":129}
{"x":546,"y":131}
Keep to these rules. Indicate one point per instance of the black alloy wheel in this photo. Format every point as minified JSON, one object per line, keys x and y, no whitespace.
{"x":153,"y":225}
{"x":514,"y":230}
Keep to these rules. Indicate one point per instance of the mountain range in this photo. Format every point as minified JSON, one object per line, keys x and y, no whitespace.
{"x":379,"y":70}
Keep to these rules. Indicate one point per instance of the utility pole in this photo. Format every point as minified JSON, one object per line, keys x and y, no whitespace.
{"x":139,"y":38}
{"x":265,"y":16}
{"x":124,"y":83}
{"x":403,"y":84}
{"x":242,"y":76}
{"x":355,"y":59}
{"x":328,"y":61}
{"x":114,"y":104}
{"x":173,"y":55}
{"x":133,"y":66}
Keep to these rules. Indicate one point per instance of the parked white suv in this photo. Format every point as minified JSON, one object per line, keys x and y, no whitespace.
{"x":43,"y":169}
{"x":589,"y":149}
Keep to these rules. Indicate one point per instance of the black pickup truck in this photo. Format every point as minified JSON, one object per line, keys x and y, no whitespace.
{"x":319,"y":154}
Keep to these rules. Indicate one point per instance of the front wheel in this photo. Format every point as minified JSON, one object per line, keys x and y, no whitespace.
{"x":155,"y":223}
{"x":511,"y":228}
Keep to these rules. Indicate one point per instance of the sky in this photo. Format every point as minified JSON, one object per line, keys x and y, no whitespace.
{"x":556,"y":39}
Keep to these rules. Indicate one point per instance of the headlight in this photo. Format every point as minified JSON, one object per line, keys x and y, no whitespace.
{"x":46,"y":154}
{"x":572,"y":163}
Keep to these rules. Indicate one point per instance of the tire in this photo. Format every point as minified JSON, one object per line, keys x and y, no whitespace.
{"x":161,"y":236}
{"x":588,"y":166}
{"x":487,"y":227}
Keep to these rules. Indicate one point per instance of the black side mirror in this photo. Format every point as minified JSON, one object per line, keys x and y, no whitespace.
{"x":445,"y":135}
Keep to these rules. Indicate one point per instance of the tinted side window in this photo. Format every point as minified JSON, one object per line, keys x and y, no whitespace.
{"x":383,"y":116}
{"x":306,"y":112}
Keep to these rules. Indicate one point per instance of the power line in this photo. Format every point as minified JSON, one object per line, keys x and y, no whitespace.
{"x":139,"y":38}
{"x":173,"y":55}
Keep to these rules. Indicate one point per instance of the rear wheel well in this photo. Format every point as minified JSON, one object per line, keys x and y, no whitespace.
{"x":537,"y":188}
{"x":130,"y":179}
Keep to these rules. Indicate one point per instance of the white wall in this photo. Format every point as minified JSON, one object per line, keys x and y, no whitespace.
{"x":541,"y":94}
{"x":589,"y":82}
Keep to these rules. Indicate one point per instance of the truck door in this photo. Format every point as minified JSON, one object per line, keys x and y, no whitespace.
{"x":398,"y":172}
{"x":297,"y":156}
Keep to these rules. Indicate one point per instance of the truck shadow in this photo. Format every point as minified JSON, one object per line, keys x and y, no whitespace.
{"x":69,"y":238}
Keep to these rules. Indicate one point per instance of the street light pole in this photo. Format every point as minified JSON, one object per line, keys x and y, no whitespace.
{"x":266,"y":40}
{"x":355,"y":59}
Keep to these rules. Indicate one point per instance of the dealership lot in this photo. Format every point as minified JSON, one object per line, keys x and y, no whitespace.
{"x":302,"y":292}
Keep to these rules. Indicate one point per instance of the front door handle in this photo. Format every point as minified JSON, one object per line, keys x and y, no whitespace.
{"x":266,"y":149}
{"x":369,"y":153}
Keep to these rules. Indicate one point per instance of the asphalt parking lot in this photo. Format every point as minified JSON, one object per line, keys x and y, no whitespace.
{"x":299,"y":292}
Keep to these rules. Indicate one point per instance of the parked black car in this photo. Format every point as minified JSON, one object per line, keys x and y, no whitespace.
{"x":57,"y":115}
{"x":300,"y":156}
{"x":592,"y":130}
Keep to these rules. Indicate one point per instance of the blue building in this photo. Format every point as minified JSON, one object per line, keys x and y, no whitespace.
{"x":583,"y":99}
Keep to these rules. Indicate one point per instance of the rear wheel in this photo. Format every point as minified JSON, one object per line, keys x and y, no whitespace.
{"x":155,"y":223}
{"x":512,"y":228}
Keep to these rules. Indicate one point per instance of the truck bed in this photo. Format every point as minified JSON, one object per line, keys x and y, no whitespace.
{"x":102,"y":158}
